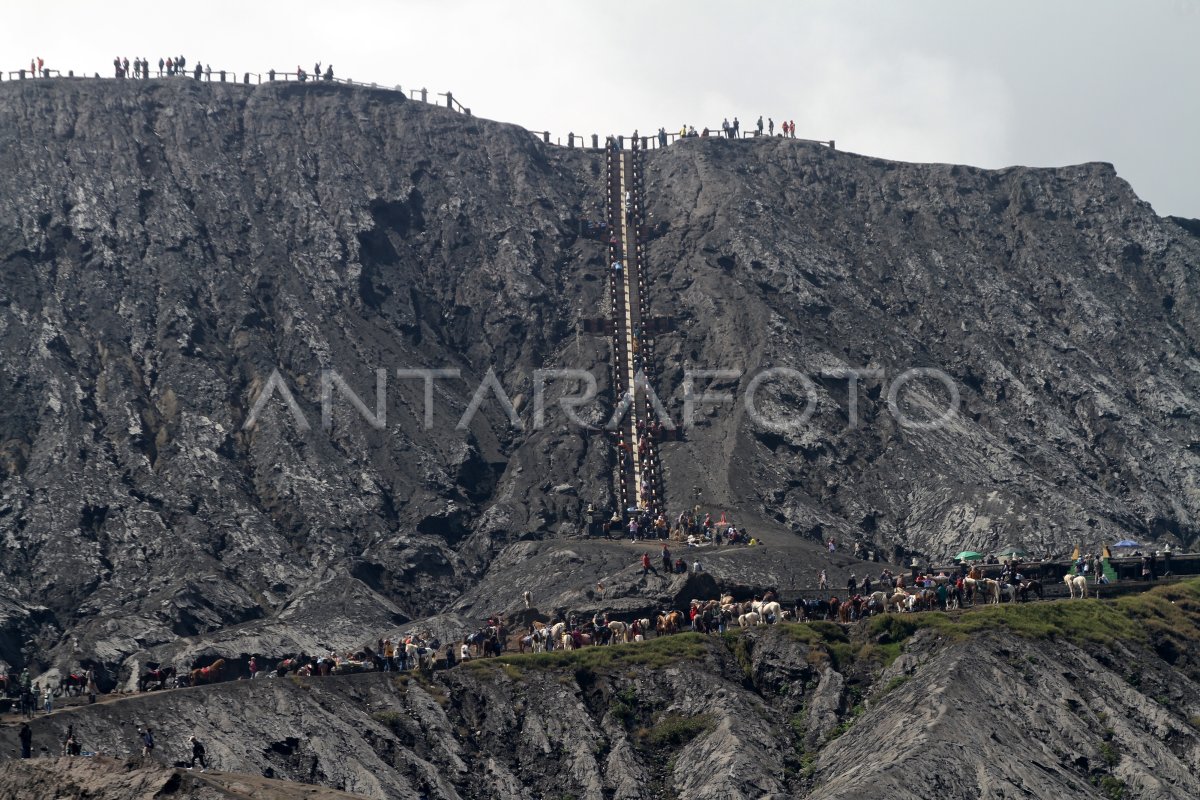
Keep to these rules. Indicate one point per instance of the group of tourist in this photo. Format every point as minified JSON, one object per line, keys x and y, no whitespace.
{"x":733,"y":130}
{"x":170,"y":66}
{"x":689,"y":528}
{"x":71,"y":746}
{"x":403,"y":654}
{"x":32,"y":696}
{"x":140,"y":67}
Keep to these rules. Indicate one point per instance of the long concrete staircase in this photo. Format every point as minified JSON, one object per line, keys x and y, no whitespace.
{"x":638,"y":475}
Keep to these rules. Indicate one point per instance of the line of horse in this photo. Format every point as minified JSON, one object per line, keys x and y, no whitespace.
{"x":600,"y":630}
{"x":716,"y":615}
{"x":363,"y":660}
{"x":160,"y":677}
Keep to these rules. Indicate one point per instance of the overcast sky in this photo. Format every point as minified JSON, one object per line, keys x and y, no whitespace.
{"x":1031,"y":82}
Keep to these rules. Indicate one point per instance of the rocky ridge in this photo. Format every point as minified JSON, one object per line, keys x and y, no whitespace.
{"x":1072,"y":699}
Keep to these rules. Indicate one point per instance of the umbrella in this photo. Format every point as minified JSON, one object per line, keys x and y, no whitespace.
{"x":968,"y":555}
{"x":1013,"y":551}
{"x":1126,"y":543}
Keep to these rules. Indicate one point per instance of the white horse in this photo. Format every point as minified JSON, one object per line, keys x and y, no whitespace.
{"x":771,"y":610}
{"x":555,"y":634}
{"x":1077,"y":584}
{"x":620,"y":632}
{"x":747,"y":620}
{"x":988,"y":590}
{"x":536,"y":640}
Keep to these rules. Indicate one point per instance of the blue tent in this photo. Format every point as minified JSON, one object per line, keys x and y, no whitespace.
{"x":1126,"y":543}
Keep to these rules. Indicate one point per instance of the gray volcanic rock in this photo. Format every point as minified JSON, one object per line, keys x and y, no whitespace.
{"x":469,"y":733}
{"x":775,"y":712}
{"x":109,"y":779}
{"x":168,"y":247}
{"x":1063,"y":309}
{"x":184,"y":242}
{"x":1045,"y":719}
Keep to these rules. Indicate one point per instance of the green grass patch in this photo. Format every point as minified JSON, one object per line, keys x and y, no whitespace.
{"x":1073,"y":620}
{"x":737,"y":644}
{"x":1109,"y":754}
{"x":895,"y":683}
{"x":624,"y":706}
{"x":675,"y":730}
{"x":827,"y":631}
{"x":391,"y":719}
{"x":655,"y":654}
{"x":845,"y":724}
{"x":1113,"y":788}
{"x":1167,"y":610}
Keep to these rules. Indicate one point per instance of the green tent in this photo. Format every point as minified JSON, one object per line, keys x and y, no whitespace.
{"x":1012,"y":551}
{"x":968,"y":555}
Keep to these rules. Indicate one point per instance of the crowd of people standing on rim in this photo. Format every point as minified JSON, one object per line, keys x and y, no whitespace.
{"x":733,"y":130}
{"x":140,"y":67}
{"x":170,"y":66}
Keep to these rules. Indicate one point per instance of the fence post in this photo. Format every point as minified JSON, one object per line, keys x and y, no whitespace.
{"x":832,"y":144}
{"x":595,"y":141}
{"x":450,"y":100}
{"x":424,"y":95}
{"x":546,"y":137}
{"x":571,"y":139}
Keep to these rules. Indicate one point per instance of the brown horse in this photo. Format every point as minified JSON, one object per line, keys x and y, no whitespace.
{"x":1031,"y":585}
{"x":293,"y":664}
{"x":209,"y":674}
{"x":158,"y":676}
{"x":72,"y":684}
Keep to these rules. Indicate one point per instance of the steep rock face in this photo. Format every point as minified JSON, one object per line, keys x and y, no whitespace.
{"x":184,"y":242}
{"x":167,"y":247}
{"x":1062,"y":308}
{"x":1045,"y":719}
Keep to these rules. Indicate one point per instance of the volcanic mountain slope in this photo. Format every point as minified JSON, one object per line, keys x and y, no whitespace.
{"x":167,"y":247}
{"x":1060,"y":306}
{"x":1071,"y":699}
{"x":180,"y":245}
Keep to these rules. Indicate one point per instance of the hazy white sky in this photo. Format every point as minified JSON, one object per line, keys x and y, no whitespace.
{"x":1032,"y":82}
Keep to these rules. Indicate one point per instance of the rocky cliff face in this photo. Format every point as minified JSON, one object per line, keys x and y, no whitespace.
{"x":1062,"y":308}
{"x":168,"y":247}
